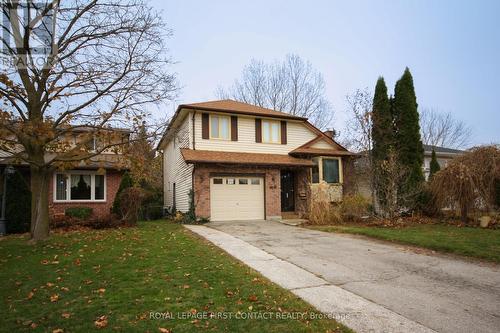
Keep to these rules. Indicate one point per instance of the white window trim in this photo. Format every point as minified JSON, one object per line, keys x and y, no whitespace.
{"x":320,"y":170}
{"x":228,"y":127}
{"x":271,"y":131}
{"x":92,"y":175}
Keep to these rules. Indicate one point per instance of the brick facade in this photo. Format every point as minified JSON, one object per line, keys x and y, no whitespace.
{"x":272,"y":175}
{"x":202,"y":187}
{"x":99,"y":209}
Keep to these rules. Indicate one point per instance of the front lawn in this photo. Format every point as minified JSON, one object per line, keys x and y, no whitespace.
{"x":474,"y":242}
{"x":116,"y":280}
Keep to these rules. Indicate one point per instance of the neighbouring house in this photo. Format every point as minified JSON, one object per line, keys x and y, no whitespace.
{"x":443,"y":156}
{"x":245,"y":162}
{"x":362,"y":166}
{"x":92,"y":183}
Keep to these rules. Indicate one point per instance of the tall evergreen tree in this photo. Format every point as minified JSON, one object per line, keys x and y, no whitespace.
{"x":434,"y":165}
{"x":382,"y":128}
{"x":382,"y":138}
{"x":408,"y":141}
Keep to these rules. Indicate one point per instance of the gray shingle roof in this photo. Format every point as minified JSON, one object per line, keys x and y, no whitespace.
{"x":437,"y":149}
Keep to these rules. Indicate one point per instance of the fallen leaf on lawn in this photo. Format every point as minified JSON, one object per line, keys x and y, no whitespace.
{"x":164,"y":330}
{"x":66,"y":315}
{"x":58,"y":330}
{"x":54,"y":298}
{"x":77,"y":262}
{"x":18,"y":283}
{"x":50,"y":284}
{"x":34,"y":325}
{"x":250,"y":308}
{"x":88,"y":282}
{"x":186,"y":286}
{"x":252,"y":298}
{"x":30,"y":295}
{"x":229,"y":293}
{"x":64,"y":289}
{"x":44,"y":262}
{"x":101,"y":322}
{"x":101,"y":290}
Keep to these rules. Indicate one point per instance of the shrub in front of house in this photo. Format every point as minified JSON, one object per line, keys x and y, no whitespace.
{"x":125,"y":182}
{"x":131,"y":200}
{"x":82,"y":213}
{"x":354,"y":207}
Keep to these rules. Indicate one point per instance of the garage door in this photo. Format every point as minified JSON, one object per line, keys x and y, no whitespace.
{"x":236,"y":198}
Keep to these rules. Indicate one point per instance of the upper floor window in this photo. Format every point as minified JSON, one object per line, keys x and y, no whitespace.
{"x":270,"y":131}
{"x":220,"y":127}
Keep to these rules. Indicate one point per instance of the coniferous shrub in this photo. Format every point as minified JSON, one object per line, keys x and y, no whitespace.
{"x":18,"y":202}
{"x":125,"y":183}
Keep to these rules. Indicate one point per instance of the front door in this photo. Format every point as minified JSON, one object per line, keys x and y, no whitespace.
{"x":287,"y":191}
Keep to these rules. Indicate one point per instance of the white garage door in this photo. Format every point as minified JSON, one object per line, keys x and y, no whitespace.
{"x":236,"y":198}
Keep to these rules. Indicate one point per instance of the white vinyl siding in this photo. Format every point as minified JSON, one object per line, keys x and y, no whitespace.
{"x":176,"y":170}
{"x":322,"y":144}
{"x":297,"y":135}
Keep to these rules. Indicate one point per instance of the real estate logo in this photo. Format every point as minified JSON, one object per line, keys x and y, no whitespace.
{"x":28,"y":31}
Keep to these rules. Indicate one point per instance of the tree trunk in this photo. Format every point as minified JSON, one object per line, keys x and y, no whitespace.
{"x":39,"y":203}
{"x":464,"y":213}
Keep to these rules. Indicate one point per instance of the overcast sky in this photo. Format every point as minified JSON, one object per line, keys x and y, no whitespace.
{"x":451,"y":47}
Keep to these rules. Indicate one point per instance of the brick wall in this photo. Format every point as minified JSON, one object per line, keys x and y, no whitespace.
{"x":202,"y":187}
{"x":99,"y":209}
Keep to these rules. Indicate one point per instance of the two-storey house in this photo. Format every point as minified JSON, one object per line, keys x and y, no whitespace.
{"x":245,"y":162}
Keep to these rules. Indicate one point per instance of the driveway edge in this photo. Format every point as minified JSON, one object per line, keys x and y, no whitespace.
{"x":350,"y":309}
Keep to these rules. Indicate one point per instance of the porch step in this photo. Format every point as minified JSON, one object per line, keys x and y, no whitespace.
{"x":293,"y":222}
{"x":289,"y":215}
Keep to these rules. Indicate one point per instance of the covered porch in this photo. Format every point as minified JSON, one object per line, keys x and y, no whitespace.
{"x":231,"y":186}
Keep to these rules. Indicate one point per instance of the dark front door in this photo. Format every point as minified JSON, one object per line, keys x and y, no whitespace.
{"x":287,"y":191}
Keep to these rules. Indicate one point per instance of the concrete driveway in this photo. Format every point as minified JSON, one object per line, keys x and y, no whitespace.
{"x":440,"y":292}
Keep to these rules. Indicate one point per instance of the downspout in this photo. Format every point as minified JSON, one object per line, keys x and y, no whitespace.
{"x":194,"y":134}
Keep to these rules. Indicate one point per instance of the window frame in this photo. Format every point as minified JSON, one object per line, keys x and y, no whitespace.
{"x":219,"y":116}
{"x":271,"y":122}
{"x":68,"y":174}
{"x":320,"y":170}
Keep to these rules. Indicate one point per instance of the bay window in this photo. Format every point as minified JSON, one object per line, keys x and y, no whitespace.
{"x":326,"y":169}
{"x":79,"y":186}
{"x":271,"y":131}
{"x":220,"y":127}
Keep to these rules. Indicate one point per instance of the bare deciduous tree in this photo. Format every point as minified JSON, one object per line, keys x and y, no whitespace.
{"x":442,"y":129}
{"x":358,"y":131}
{"x":106,"y":62}
{"x":291,"y":86}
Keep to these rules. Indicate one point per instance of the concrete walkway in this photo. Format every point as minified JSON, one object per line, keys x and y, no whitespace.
{"x":346,"y":307}
{"x":370,"y":284}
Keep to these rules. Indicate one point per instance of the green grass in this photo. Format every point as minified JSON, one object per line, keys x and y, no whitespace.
{"x":125,"y":274}
{"x":473,"y":242}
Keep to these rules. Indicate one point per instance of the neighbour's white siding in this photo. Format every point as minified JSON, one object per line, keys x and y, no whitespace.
{"x":297,"y":135}
{"x":175,"y":169}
